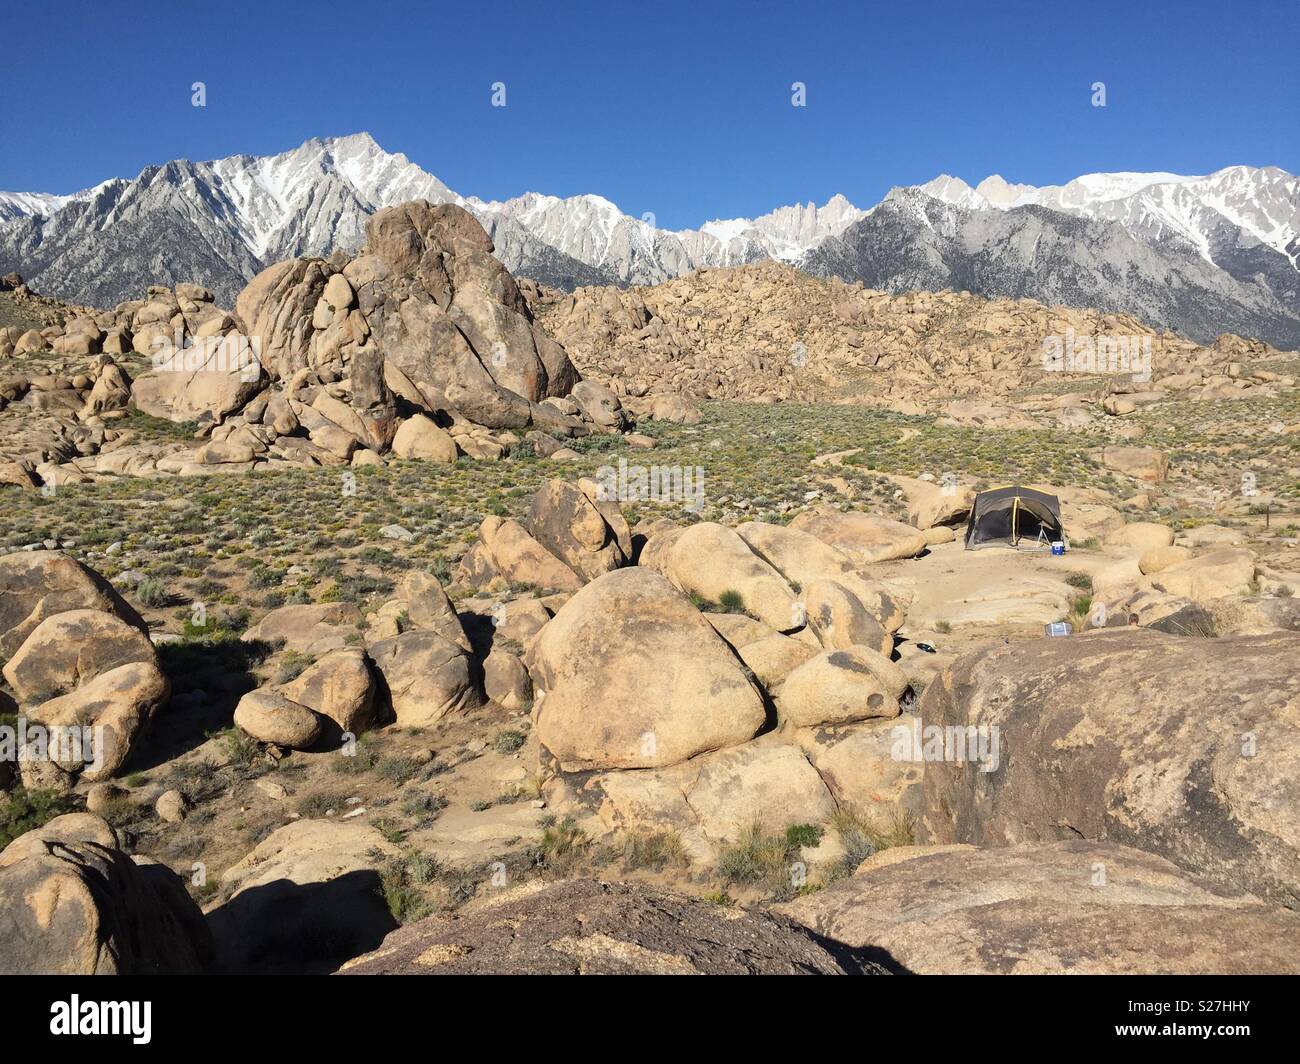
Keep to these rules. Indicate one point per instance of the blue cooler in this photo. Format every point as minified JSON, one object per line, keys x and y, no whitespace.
{"x":1058,"y":548}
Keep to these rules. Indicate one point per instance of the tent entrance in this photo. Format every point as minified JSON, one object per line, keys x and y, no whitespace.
{"x":1014,"y":517}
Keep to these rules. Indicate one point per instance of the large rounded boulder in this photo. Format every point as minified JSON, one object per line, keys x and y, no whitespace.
{"x":712,"y":561}
{"x":630,"y":675}
{"x":426,"y":677}
{"x":72,"y":648}
{"x":72,"y":903}
{"x":586,"y":532}
{"x":35,"y":585}
{"x":1048,"y":908}
{"x":865,"y":538}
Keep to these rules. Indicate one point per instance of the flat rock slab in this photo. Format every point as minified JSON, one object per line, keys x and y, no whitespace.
{"x":585,"y":927}
{"x":1058,"y":908}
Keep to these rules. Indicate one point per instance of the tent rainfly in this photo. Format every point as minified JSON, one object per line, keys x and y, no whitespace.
{"x":1014,"y":517}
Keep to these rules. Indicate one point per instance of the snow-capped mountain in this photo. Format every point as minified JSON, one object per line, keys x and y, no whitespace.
{"x":1263,"y":203}
{"x":787,"y":233}
{"x":592,"y":230}
{"x":18,"y":205}
{"x":220,"y":222}
{"x":1200,"y":256}
{"x":15,"y":206}
{"x":1226,"y":244}
{"x":215,"y":222}
{"x":1241,"y":222}
{"x":627,"y":250}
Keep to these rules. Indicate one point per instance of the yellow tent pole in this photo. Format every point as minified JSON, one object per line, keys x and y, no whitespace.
{"x":1015,"y":510}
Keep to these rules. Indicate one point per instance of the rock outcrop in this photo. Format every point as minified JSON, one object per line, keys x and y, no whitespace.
{"x":35,"y":585}
{"x":1049,"y":908}
{"x":80,"y":666}
{"x":767,"y":331}
{"x":1180,"y":746}
{"x":305,"y":899}
{"x":585,"y":927}
{"x":422,"y":344}
{"x":629,"y":674}
{"x":73,"y":903}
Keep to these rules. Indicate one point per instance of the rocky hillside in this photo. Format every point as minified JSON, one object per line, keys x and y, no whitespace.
{"x":584,"y":715}
{"x":770,"y":332}
{"x":22,"y":309}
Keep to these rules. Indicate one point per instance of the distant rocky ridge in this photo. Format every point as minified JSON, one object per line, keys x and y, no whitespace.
{"x":1198,"y":255}
{"x":770,"y":332}
{"x":425,"y":346}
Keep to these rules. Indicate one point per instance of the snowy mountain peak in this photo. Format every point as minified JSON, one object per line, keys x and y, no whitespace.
{"x":1000,"y":193}
{"x":15,"y":205}
{"x":954,"y":190}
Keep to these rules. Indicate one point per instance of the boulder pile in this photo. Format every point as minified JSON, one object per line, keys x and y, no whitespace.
{"x":768,"y":332}
{"x":422,"y":345}
{"x":1126,"y":796}
{"x":413,"y":668}
{"x":83,"y":671}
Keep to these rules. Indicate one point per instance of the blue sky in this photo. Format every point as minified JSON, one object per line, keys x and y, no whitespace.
{"x":682,"y":109}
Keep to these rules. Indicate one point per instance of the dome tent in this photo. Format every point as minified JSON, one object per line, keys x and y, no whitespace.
{"x":1014,"y":517}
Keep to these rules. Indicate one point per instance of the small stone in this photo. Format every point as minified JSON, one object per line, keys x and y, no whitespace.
{"x":172,"y":806}
{"x":272,"y":790}
{"x":102,"y":797}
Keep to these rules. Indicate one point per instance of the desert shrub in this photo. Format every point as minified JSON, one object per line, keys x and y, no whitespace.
{"x":399,"y":769}
{"x":403,"y":881}
{"x":22,"y":811}
{"x":861,"y":838}
{"x":803,"y":835}
{"x":562,"y":845}
{"x":390,"y":829}
{"x":292,"y":665}
{"x":358,"y":763}
{"x":655,"y":850}
{"x":424,"y":807}
{"x":508,"y":742}
{"x":732,"y":601}
{"x":152,"y":593}
{"x":315,"y":806}
{"x":765,"y":860}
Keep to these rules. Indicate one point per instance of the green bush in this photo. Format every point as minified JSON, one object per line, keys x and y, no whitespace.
{"x":22,"y":811}
{"x":732,"y":601}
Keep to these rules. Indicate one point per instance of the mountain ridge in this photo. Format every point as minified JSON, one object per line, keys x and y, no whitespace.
{"x":221,"y":221}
